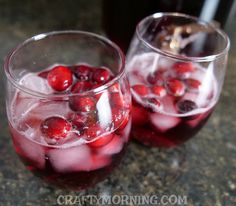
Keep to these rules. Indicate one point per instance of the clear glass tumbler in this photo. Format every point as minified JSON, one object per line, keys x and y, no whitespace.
{"x":68,"y":104}
{"x":176,"y":65}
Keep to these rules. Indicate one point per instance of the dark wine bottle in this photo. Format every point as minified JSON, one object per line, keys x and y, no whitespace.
{"x":120,"y":17}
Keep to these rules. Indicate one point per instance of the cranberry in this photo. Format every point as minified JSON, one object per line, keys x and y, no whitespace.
{"x":82,"y":104}
{"x":55,"y":127}
{"x":78,"y":120}
{"x":101,"y":141}
{"x":83,"y":86}
{"x":93,"y":131}
{"x":140,"y":89}
{"x":185,"y":106}
{"x":159,"y":91}
{"x":193,"y":84}
{"x":175,"y":87}
{"x":97,"y":94}
{"x":96,"y":85}
{"x":101,"y":75}
{"x":123,"y":124}
{"x":183,"y":69}
{"x":60,"y":78}
{"x":82,"y":72}
{"x":153,"y":104}
{"x":156,"y":78}
{"x":117,"y":99}
{"x":115,"y":88}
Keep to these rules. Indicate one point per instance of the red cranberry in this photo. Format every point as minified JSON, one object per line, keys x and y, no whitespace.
{"x":159,"y":91}
{"x":60,"y":78}
{"x":193,"y":84}
{"x":183,"y":69}
{"x":153,"y":104}
{"x":175,"y":87}
{"x":140,"y":89}
{"x":115,"y":88}
{"x":93,"y":131}
{"x":101,"y":141}
{"x":83,"y":86}
{"x":156,"y":78}
{"x":117,"y":99}
{"x":185,"y":106}
{"x":78,"y":120}
{"x":55,"y":127}
{"x":82,"y":104}
{"x":101,"y":75}
{"x":83,"y":72}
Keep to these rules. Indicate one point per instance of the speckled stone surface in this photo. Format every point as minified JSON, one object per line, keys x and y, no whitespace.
{"x":204,"y":169}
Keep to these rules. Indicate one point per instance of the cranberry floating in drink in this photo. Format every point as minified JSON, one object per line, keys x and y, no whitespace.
{"x":176,"y":65}
{"x":68,"y":107}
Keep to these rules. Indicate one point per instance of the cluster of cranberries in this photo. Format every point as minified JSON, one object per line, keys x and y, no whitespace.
{"x":174,"y":82}
{"x":77,"y":80}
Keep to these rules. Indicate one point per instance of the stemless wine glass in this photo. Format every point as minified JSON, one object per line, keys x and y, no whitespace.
{"x":68,"y":106}
{"x":176,"y":65}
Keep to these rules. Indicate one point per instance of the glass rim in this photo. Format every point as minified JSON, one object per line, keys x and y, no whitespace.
{"x":179,"y":57}
{"x":41,"y":36}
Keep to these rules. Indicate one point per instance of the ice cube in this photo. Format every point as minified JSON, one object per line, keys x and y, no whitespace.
{"x":169,"y":105}
{"x":164,"y":122}
{"x":29,"y":149}
{"x":47,"y":109}
{"x":191,"y":96}
{"x":113,"y":147}
{"x":78,"y":158}
{"x":104,"y":110}
{"x":35,"y":83}
{"x":21,"y":106}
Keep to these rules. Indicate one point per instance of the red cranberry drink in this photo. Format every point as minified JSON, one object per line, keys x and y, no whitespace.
{"x":171,"y":100}
{"x":176,"y":65}
{"x":70,"y":123}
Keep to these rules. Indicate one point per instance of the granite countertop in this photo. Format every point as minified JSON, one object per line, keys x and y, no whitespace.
{"x":203,"y":169}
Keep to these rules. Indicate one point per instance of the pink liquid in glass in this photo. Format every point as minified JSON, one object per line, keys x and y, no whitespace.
{"x":93,"y":144}
{"x":171,"y":100}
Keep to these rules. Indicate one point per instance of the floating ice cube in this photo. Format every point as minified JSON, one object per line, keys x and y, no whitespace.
{"x":169,"y":105}
{"x":36,"y":83}
{"x":191,"y":96}
{"x":29,"y":149}
{"x":73,"y":159}
{"x":164,"y":122}
{"x":47,"y":109}
{"x":78,"y":158}
{"x":104,"y":110}
{"x":21,"y":106}
{"x":113,"y":147}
